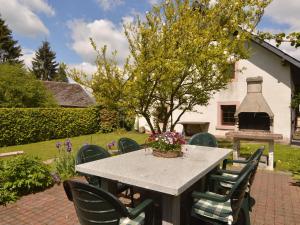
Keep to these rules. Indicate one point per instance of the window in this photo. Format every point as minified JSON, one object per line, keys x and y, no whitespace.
{"x":227,"y":114}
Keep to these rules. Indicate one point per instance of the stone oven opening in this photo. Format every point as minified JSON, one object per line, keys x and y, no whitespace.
{"x":254,"y":121}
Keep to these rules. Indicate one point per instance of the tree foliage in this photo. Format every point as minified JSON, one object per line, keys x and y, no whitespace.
{"x":19,"y":88}
{"x":182,"y":54}
{"x":62,"y":73}
{"x":10,"y":51}
{"x":293,"y":38}
{"x":109,"y":86}
{"x":44,"y":66}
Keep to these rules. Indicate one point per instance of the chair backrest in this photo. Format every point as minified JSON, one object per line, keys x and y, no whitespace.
{"x":237,"y":192}
{"x":128,"y":145}
{"x":256,"y":156}
{"x":94,"y":205}
{"x":203,"y":139}
{"x":89,"y":153}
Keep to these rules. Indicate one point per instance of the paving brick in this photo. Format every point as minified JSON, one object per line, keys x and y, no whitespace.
{"x":277,"y":199}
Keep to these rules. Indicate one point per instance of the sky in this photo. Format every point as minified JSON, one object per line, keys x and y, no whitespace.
{"x":68,"y":24}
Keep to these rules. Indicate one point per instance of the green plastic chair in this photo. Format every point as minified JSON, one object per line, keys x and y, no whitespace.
{"x":203,"y":139}
{"x":89,"y":153}
{"x":127,"y":145}
{"x":233,"y":174}
{"x":255,"y":156}
{"x":217,"y":209}
{"x":94,"y":206}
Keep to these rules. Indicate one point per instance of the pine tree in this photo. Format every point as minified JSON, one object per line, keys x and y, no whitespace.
{"x":10,"y":52}
{"x":44,"y":66}
{"x":61,"y":73}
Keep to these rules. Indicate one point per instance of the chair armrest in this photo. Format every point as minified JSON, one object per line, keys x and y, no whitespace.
{"x":227,"y":161}
{"x":221,"y":178}
{"x":140,"y":208}
{"x":234,"y":172}
{"x":237,"y":161}
{"x":208,"y":196}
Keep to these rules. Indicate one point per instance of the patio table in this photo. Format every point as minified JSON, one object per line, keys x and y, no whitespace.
{"x":168,"y":176}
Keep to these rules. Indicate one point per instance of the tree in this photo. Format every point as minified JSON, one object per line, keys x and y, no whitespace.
{"x":44,"y":66}
{"x":61,"y":73}
{"x":109,"y":85}
{"x":10,"y":52}
{"x":181,"y":54}
{"x":19,"y":88}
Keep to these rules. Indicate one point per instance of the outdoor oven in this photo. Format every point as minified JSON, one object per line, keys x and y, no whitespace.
{"x":254,"y":112}
{"x":254,"y":120}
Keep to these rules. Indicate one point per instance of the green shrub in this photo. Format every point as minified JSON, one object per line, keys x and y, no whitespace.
{"x":19,"y":88}
{"x":111,"y":120}
{"x":108,"y":120}
{"x":22,"y":175}
{"x":29,"y":125}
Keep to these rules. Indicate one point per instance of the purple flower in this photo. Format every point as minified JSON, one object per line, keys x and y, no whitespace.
{"x":68,"y":145}
{"x":58,"y":145}
{"x":111,"y":144}
{"x":56,"y":178}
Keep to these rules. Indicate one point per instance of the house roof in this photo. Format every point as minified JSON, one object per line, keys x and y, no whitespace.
{"x":276,"y":51}
{"x":69,"y":95}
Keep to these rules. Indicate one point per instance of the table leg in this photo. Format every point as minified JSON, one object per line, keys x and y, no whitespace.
{"x":271,"y":156}
{"x":170,"y":210}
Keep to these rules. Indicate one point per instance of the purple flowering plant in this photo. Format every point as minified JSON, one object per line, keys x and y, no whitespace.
{"x":65,"y":162}
{"x":111,"y":145}
{"x":58,"y":145}
{"x":168,"y":141}
{"x":67,"y":145}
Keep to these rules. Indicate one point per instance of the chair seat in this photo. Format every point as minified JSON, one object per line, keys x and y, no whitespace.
{"x":139,"y":220}
{"x":221,"y":211}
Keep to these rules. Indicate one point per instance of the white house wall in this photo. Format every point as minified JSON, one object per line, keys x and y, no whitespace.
{"x":276,"y":90}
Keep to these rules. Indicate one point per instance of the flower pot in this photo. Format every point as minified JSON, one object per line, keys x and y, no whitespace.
{"x":167,"y":154}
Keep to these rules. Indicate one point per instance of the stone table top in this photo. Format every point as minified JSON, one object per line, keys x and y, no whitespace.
{"x":170,"y":176}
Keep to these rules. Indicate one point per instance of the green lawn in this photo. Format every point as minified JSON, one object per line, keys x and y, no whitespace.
{"x":47,"y":150}
{"x":287,"y":158}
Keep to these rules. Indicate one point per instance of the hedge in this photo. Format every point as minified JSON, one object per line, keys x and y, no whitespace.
{"x":28,"y":125}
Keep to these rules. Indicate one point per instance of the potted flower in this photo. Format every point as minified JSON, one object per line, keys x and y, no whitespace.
{"x":167,"y":145}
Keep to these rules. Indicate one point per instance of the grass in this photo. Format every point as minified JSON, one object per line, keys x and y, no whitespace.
{"x":47,"y":150}
{"x":287,"y":158}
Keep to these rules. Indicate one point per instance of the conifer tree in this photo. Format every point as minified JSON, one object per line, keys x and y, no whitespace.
{"x":10,"y":51}
{"x":44,"y":66}
{"x":61,"y":73}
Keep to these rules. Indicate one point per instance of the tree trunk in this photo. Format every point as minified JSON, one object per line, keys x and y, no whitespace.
{"x":149,"y":123}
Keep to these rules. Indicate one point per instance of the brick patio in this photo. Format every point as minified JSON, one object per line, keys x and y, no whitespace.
{"x":277,"y":203}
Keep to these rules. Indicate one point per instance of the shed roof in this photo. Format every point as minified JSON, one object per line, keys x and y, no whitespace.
{"x":69,"y":95}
